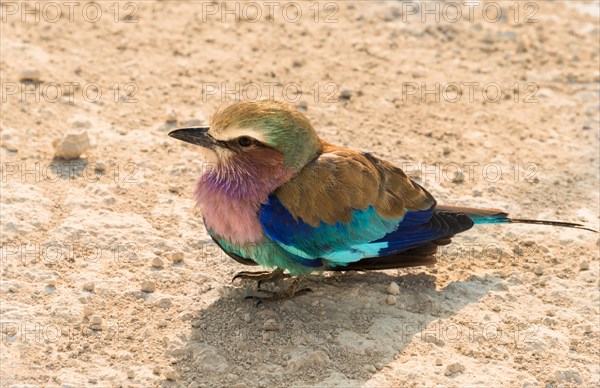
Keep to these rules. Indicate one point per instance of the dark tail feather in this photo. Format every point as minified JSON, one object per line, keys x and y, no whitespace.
{"x":552,"y":223}
{"x":495,"y":216}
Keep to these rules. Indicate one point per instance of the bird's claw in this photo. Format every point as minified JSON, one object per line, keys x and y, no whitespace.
{"x":261,"y":276}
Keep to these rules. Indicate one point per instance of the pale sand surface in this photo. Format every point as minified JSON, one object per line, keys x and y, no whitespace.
{"x":513,"y":305}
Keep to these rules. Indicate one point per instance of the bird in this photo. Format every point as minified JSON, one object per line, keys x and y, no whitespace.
{"x":273,"y":193}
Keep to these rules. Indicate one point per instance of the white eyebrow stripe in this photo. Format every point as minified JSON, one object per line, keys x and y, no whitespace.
{"x":235,"y":133}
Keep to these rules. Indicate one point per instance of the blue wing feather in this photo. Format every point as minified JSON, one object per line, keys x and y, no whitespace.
{"x":367,"y":235}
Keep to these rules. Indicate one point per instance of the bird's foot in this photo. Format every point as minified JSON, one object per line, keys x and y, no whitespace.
{"x":261,"y":276}
{"x":272,"y":296}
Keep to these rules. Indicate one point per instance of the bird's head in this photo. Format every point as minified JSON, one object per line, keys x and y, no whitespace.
{"x":249,"y":130}
{"x":250,"y":141}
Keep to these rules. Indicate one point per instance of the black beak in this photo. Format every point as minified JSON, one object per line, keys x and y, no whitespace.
{"x":194,"y":135}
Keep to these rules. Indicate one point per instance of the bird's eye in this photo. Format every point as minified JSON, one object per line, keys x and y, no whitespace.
{"x":245,"y":141}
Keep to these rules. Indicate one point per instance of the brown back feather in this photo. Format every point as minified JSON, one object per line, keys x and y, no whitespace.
{"x":341,"y":180}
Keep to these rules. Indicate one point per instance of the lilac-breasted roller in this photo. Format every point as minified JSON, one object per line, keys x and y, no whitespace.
{"x":279,"y":196}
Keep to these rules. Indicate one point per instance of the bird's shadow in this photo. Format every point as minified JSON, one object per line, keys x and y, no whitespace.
{"x":348,"y":328}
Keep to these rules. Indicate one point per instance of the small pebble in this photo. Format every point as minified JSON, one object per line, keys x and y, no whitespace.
{"x":584,"y":266}
{"x":85,"y":124}
{"x":156,"y":370}
{"x":100,"y":167}
{"x":538,"y":270}
{"x":270,"y":325}
{"x":51,"y":282}
{"x":587,"y":125}
{"x":162,"y":323}
{"x":454,"y":368}
{"x":459,"y":177}
{"x":477,"y":193}
{"x":31,"y":75}
{"x":158,"y":263}
{"x":171,"y":116}
{"x":569,"y":376}
{"x":89,"y":286}
{"x":95,"y":319}
{"x":393,"y":289}
{"x":72,"y":146}
{"x":438,"y":362}
{"x":302,"y":106}
{"x":247,"y":318}
{"x":345,"y":94}
{"x":170,"y":374}
{"x":173,"y":189}
{"x":391,"y":300}
{"x":87,"y":311}
{"x":165,"y":303}
{"x":148,"y":286}
{"x":186,"y":316}
{"x":177,"y":257}
{"x":432,"y":339}
{"x":130,"y":374}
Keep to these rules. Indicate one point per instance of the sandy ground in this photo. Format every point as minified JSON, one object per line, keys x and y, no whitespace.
{"x":512,"y":305}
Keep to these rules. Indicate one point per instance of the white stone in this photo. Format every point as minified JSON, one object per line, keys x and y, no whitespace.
{"x":171,"y":374}
{"x":393,"y":289}
{"x":148,"y":286}
{"x":176,"y":257}
{"x":95,"y":319}
{"x":158,"y":263}
{"x":72,"y":146}
{"x":89,"y":286}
